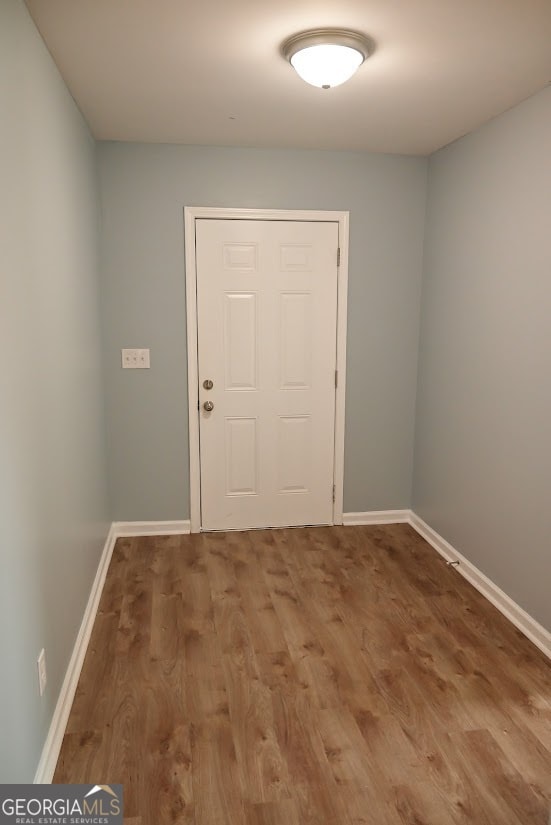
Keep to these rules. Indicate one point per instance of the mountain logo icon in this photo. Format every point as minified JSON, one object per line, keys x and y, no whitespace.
{"x":97,"y":788}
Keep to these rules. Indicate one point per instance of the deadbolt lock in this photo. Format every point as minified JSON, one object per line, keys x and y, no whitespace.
{"x":207,"y":384}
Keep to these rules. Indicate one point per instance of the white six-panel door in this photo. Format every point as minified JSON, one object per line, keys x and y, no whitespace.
{"x":266,"y":317}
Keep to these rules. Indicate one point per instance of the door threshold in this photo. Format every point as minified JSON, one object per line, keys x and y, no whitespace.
{"x":279,"y":527}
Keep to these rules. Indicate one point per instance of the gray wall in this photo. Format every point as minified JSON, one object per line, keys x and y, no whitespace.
{"x":144,"y":189}
{"x":53,"y":512}
{"x":483,"y":441}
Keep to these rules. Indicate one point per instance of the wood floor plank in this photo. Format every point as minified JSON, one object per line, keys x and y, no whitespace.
{"x":364,"y":805}
{"x":300,"y":742}
{"x":124,"y":737}
{"x":217,"y":790}
{"x":299,"y":632}
{"x":349,"y":757}
{"x":262,"y":619}
{"x":422,"y":803}
{"x":283,"y":812}
{"x":389,"y":748}
{"x":167,"y":756}
{"x":528,"y":756}
{"x":94,"y":689}
{"x":76,"y":759}
{"x":278,"y":671}
{"x":321,"y":676}
{"x":168,"y":767}
{"x":134,"y":632}
{"x":319,"y":803}
{"x":263,"y":770}
{"x":206,"y":695}
{"x":515,"y":795}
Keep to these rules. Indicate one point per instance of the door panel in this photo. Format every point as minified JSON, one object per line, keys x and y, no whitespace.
{"x":241,"y":457}
{"x":295,"y":340}
{"x":240,"y":341}
{"x":266,"y":314}
{"x":294,"y":453}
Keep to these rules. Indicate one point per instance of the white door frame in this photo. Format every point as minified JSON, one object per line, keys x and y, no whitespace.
{"x":193,"y":213}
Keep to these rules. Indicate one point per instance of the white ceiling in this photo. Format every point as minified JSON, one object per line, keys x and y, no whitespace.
{"x":210,"y":72}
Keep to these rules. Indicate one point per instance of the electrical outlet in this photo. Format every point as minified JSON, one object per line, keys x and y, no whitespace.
{"x":42,"y":676}
{"x":135,"y":359}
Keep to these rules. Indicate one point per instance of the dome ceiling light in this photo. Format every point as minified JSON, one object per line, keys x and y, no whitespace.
{"x":327,"y":57}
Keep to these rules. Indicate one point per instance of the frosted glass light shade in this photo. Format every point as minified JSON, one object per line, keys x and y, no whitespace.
{"x":326,"y":65}
{"x":326,"y":57}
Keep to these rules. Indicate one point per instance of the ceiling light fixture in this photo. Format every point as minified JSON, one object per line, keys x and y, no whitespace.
{"x":327,"y":57}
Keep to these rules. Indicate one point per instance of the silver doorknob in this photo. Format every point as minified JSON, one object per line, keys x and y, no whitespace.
{"x":208,"y":406}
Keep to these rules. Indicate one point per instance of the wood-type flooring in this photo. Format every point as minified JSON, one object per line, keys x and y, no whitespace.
{"x":318,"y":676}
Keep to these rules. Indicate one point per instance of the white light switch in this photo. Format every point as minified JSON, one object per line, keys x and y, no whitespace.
{"x":135,"y":359}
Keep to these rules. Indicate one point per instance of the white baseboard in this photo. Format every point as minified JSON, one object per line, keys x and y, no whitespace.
{"x":377,"y":517}
{"x":52,"y":746}
{"x":127,"y":529}
{"x":510,"y":609}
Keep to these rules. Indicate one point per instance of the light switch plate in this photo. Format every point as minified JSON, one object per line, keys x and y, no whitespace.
{"x":135,"y":359}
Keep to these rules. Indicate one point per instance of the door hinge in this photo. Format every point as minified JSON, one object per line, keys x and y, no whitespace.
{"x":336,"y":378}
{"x":339,"y":256}
{"x":334,"y":493}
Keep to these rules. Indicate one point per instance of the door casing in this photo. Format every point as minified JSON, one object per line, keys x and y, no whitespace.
{"x":193,"y":213}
